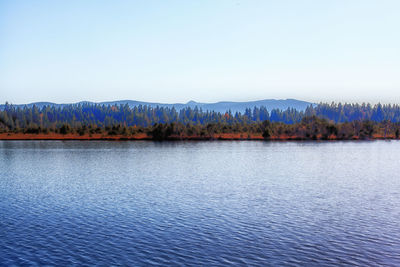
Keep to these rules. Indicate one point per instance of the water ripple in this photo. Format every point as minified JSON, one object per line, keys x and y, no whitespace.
{"x":199,"y":203}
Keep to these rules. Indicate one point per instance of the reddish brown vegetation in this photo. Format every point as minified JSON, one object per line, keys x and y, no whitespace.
{"x":57,"y":136}
{"x":144,"y":136}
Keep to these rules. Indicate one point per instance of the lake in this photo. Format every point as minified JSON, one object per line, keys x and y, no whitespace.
{"x":200,"y":203}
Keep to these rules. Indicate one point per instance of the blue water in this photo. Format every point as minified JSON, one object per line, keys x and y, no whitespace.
{"x":200,"y":203}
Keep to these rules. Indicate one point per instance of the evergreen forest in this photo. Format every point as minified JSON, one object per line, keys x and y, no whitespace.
{"x":322,"y":121}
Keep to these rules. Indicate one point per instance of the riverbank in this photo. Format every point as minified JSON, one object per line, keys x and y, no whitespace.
{"x":144,"y":136}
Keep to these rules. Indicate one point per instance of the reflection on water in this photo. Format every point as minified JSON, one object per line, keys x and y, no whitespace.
{"x":191,"y":203}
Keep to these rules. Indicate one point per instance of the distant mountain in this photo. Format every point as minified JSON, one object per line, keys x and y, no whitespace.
{"x":223,"y":106}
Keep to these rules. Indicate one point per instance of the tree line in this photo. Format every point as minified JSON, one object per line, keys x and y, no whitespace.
{"x":322,"y":121}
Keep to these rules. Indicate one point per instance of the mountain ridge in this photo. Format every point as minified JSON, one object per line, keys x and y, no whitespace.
{"x":221,"y":106}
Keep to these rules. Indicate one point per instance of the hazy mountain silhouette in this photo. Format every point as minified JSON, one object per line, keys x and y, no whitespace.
{"x":222,"y":106}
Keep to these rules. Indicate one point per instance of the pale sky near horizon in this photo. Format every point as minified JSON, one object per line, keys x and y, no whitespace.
{"x":207,"y":51}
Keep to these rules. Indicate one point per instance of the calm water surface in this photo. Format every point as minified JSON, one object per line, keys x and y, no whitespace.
{"x":200,"y":203}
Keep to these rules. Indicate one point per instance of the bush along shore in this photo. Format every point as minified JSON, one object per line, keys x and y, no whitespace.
{"x":312,"y":128}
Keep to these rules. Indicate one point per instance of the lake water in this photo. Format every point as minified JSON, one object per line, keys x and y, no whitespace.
{"x":200,"y":203}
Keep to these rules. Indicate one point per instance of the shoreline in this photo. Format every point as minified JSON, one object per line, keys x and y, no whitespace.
{"x":145,"y":137}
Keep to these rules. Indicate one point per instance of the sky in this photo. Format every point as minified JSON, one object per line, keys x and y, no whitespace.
{"x":207,"y":51}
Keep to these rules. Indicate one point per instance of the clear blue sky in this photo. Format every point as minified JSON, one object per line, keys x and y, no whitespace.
{"x":175,"y":51}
